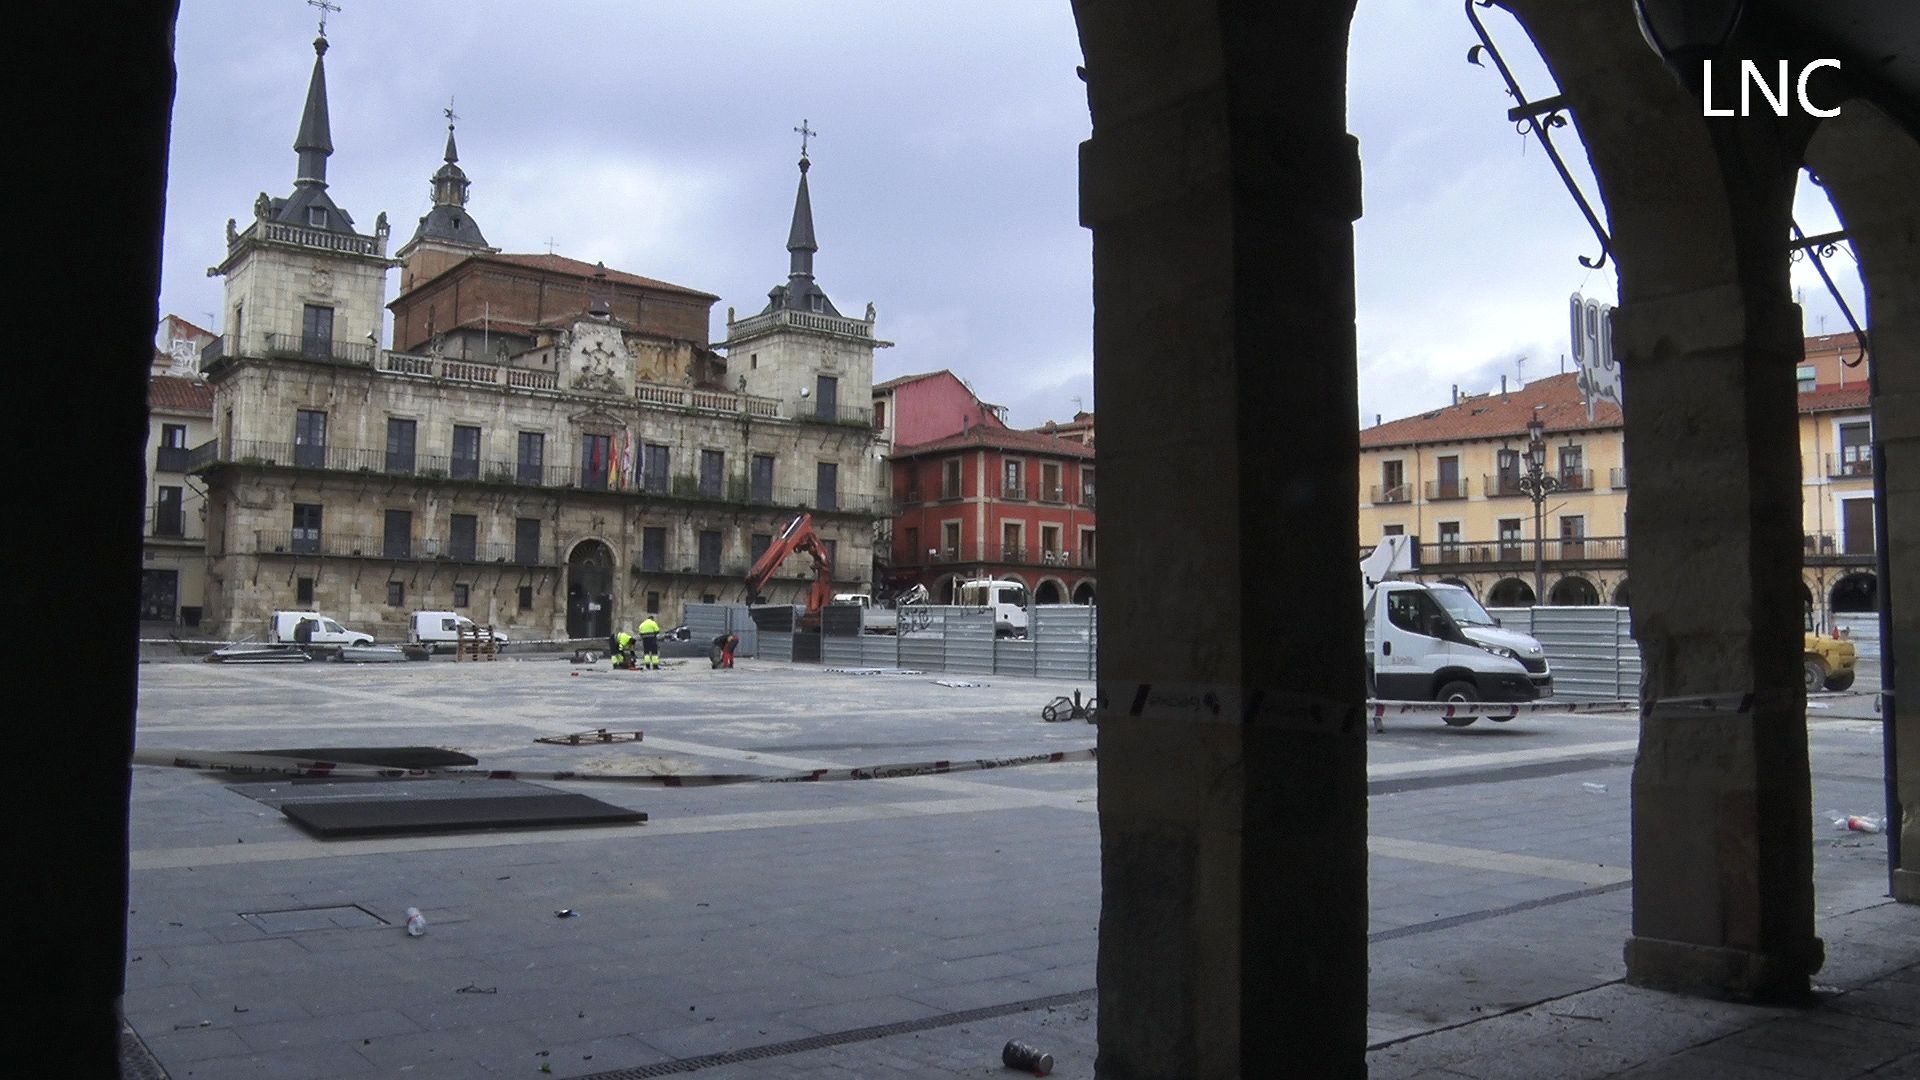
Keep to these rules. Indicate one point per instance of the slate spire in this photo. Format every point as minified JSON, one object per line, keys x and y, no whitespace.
{"x":314,"y":143}
{"x":800,"y":242}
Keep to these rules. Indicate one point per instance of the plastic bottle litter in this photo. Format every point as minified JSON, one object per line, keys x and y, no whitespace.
{"x":1857,"y":823}
{"x":1018,"y":1055}
{"x":416,"y":922}
{"x":1597,"y":789}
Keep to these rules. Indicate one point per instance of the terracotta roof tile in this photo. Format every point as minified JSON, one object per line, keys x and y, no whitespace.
{"x":905,"y":379}
{"x":1835,"y":398}
{"x":562,"y":264}
{"x":1497,"y":416}
{"x":175,"y":394}
{"x":998,"y":439}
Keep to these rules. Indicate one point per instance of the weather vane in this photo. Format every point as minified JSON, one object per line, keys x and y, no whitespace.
{"x":324,"y":7}
{"x":450,"y":114}
{"x":805,"y":132}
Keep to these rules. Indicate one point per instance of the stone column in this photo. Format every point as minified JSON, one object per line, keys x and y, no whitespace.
{"x":1232,"y":752}
{"x":1722,"y":809}
{"x":1871,"y":167}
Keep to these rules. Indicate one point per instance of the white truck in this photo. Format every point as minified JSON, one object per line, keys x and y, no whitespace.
{"x":283,"y":628}
{"x":441,"y":629}
{"x":885,"y":618}
{"x":1418,"y":650}
{"x":1007,"y":600}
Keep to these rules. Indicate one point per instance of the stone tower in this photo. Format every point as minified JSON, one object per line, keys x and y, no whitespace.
{"x":799,"y":349}
{"x":447,"y":233}
{"x":301,"y":281}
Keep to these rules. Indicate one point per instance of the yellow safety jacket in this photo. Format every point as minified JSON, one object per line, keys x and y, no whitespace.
{"x":649,"y":627}
{"x":623,"y":639}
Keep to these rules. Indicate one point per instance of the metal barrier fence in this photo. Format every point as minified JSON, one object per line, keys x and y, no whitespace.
{"x":708,"y":621}
{"x":1061,"y":642}
{"x":1863,"y":630}
{"x":1590,"y":649}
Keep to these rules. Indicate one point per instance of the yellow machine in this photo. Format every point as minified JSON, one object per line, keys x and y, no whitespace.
{"x":1829,"y":659}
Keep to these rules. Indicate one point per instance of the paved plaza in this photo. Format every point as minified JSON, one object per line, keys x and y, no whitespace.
{"x":898,"y":927}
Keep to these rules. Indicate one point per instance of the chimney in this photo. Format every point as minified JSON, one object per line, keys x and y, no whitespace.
{"x":1503,"y":387}
{"x":1376,"y":419}
{"x":1456,"y":393}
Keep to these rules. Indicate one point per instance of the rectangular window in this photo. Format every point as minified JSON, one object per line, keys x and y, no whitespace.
{"x":1856,"y":450}
{"x":1393,"y":483}
{"x":316,"y":332}
{"x":1049,"y":543}
{"x":306,"y":528}
{"x":653,"y":603}
{"x":310,"y":438}
{"x":168,"y":516}
{"x":526,"y":598}
{"x":709,"y":551}
{"x":463,"y":537}
{"x":654,"y":466}
{"x":526,"y":541}
{"x":1393,"y":530}
{"x":1806,"y":375}
{"x":713,"y":473}
{"x":400,"y":436}
{"x":760,"y":479}
{"x":172,"y":453}
{"x":396,"y":593}
{"x":460,"y":594}
{"x":950,"y":478}
{"x":397,"y":542}
{"x":826,"y":396}
{"x":173,"y":436}
{"x":1086,"y":485}
{"x":1086,"y":548}
{"x":303,"y":591}
{"x":1011,"y":549}
{"x":1013,"y":479}
{"x":1449,"y":541}
{"x":466,"y":452}
{"x":880,"y":415}
{"x":653,"y":548}
{"x":1448,"y":485}
{"x":1050,"y":489}
{"x":532,"y":460}
{"x":1510,"y":542}
{"x":1573,"y":536}
{"x":596,"y":454}
{"x":826,"y":494}
{"x":759,"y":545}
{"x":1573,"y":470}
{"x":1856,"y":520}
{"x":950,"y":540}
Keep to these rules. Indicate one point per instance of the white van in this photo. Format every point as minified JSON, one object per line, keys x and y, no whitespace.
{"x":1007,"y":600}
{"x":442,"y":628}
{"x":282,"y":629}
{"x":1417,"y":652}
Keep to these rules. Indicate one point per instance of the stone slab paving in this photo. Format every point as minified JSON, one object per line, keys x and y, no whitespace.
{"x":878,"y":928}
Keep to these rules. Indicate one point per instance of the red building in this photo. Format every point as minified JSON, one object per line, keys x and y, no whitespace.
{"x":994,"y":502}
{"x":915,"y":409}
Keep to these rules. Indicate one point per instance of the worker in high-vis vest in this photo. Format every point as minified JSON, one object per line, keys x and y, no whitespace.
{"x":623,"y":650}
{"x":650,"y":643}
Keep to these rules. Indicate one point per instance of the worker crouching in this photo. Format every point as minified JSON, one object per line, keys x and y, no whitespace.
{"x":623,"y":651}
{"x":721,"y":652}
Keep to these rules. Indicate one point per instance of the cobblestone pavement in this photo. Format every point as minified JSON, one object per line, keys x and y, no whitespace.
{"x":902,"y":927}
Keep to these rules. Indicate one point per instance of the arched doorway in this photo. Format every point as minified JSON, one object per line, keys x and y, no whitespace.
{"x":1083,"y":593}
{"x":1510,"y":592}
{"x":1573,"y":592}
{"x":1855,"y":593}
{"x":1620,"y":595}
{"x":590,"y":590}
{"x":1048,"y":592}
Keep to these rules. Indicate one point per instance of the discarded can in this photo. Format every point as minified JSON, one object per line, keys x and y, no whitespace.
{"x":1018,"y":1055}
{"x":416,"y":922}
{"x":1857,"y":823}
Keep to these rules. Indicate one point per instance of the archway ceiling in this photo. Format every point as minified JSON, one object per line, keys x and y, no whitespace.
{"x":1876,"y":41}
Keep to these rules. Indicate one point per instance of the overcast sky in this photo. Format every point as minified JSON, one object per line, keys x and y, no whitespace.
{"x":657,"y":137}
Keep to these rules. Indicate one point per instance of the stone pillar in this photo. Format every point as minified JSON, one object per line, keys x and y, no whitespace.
{"x":1722,"y":808}
{"x":1232,"y":752}
{"x":1871,"y":167}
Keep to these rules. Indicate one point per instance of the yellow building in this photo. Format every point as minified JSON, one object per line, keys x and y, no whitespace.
{"x":1452,"y":477}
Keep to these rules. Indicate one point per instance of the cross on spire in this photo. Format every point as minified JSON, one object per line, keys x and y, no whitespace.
{"x":324,"y":7}
{"x":550,"y":242}
{"x":804,"y":132}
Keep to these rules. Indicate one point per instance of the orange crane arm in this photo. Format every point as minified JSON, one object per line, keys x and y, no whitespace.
{"x":798,"y":536}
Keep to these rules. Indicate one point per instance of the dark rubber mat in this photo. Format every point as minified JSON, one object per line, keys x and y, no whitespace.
{"x":393,"y":757}
{"x":339,"y":818}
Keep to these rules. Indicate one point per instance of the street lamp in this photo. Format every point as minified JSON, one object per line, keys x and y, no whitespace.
{"x":1686,"y":33}
{"x":1537,"y":485}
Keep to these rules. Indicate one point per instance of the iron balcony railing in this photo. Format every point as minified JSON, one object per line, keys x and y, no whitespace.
{"x":1852,"y":462}
{"x":1617,"y":478}
{"x":330,"y":349}
{"x":812,"y":410}
{"x":381,"y":546}
{"x":734,"y":490}
{"x":1575,"y":479}
{"x":1439,"y":490}
{"x":1016,"y":492}
{"x":1517,"y":551}
{"x":951,"y":490}
{"x":1827,"y":545}
{"x":1501,"y":485}
{"x":1052,"y":493}
{"x":171,"y":459}
{"x":1392,"y":493}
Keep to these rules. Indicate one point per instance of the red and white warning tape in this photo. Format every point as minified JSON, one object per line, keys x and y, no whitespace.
{"x":279,"y":766}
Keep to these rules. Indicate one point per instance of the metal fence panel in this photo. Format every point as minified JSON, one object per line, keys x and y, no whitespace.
{"x":1863,"y":629}
{"x":925,"y":647}
{"x":1011,"y":657}
{"x":776,"y":645}
{"x":839,"y":651}
{"x":1583,"y":649}
{"x":880,"y":650}
{"x":708,"y":621}
{"x":1517,"y":619}
{"x":1630,"y":669}
{"x":970,"y":640}
{"x":1064,"y":641}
